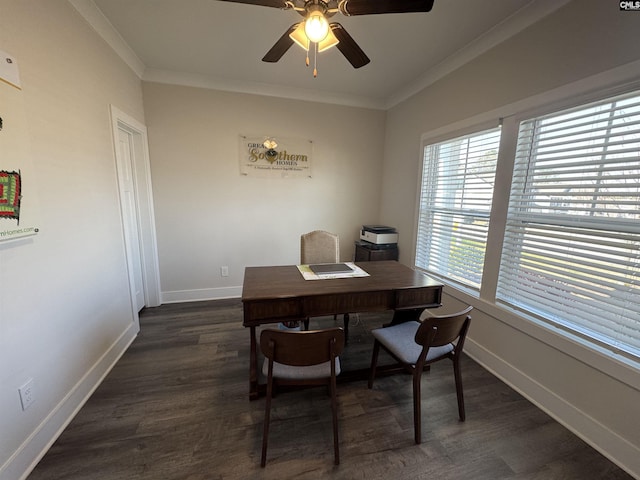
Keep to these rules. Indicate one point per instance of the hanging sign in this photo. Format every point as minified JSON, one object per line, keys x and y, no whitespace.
{"x":275,"y":157}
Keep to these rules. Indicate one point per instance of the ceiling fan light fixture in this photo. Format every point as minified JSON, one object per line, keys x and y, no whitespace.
{"x":329,"y":41}
{"x":316,"y":26}
{"x":300,"y":37}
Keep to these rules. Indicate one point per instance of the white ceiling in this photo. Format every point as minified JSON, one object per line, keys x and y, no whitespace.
{"x":217,"y":44}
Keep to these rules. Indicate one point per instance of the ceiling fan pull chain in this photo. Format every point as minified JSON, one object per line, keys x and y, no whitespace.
{"x":315,"y":60}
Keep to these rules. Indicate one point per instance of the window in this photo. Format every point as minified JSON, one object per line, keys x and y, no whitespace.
{"x":571,"y":252}
{"x":455,"y":204}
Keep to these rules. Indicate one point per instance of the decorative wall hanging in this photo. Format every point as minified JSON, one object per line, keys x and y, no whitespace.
{"x":275,"y":157}
{"x":19,"y":205}
{"x":10,"y":195}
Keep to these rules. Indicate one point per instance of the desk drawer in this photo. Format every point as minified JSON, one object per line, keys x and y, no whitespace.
{"x":264,"y":311}
{"x":418,"y":297}
{"x":351,"y":303}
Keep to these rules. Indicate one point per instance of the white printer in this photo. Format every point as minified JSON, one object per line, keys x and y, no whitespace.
{"x":379,"y":234}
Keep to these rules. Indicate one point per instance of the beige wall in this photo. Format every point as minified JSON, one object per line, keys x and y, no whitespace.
{"x":581,"y":39}
{"x":63,"y":294}
{"x":65,"y":311}
{"x":208,"y":215}
{"x":586,"y":44}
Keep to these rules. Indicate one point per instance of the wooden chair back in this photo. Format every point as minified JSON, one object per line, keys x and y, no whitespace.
{"x":300,"y":349}
{"x":438,"y":330}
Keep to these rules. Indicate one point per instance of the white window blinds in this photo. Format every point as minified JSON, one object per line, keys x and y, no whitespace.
{"x":571,"y":251}
{"x":455,"y":203}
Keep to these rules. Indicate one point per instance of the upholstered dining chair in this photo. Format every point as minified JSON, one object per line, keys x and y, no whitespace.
{"x":417,"y":344}
{"x":301,"y":358}
{"x":321,"y":246}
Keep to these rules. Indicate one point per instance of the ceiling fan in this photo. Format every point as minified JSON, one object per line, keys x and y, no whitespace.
{"x":316,"y":13}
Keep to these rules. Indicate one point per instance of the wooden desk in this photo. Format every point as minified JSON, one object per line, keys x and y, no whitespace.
{"x":280,"y":293}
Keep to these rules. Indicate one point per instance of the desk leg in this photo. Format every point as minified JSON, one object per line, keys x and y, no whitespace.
{"x":346,"y":328}
{"x":253,"y":366}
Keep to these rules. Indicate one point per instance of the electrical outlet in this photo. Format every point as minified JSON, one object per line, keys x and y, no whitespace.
{"x":224,"y":271}
{"x":26,"y":394}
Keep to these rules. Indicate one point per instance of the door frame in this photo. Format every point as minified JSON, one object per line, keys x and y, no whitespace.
{"x":143,"y":205}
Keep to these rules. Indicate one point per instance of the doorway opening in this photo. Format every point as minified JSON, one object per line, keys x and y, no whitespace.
{"x":136,"y":206}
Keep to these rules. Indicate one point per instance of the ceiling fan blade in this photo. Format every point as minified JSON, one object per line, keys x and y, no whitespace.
{"x":280,"y":47}
{"x":372,"y":7}
{"x":265,"y":3}
{"x":348,"y":47}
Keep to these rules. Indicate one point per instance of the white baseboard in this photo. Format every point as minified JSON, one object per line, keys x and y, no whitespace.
{"x":608,"y":443}
{"x":27,"y":456}
{"x":178,"y":296}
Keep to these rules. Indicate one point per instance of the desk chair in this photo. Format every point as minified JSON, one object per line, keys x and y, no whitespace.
{"x":320,"y":246}
{"x":301,"y":358}
{"x":416,"y":345}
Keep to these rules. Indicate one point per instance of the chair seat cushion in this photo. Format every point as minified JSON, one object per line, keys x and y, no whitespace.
{"x":400,"y":340}
{"x":289,"y":372}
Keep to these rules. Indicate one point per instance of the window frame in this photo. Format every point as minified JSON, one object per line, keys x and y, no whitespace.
{"x":450,"y":132}
{"x":593,"y":336}
{"x":615,"y":82}
{"x":471,"y":130}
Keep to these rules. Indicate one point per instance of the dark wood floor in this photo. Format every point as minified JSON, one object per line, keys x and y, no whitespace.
{"x":176,"y":407}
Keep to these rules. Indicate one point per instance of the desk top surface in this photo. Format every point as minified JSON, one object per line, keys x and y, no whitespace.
{"x":287,"y":282}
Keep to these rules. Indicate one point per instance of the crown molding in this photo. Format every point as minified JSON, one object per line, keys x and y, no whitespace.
{"x":94,"y":17}
{"x":523,"y":18}
{"x":256,"y":88}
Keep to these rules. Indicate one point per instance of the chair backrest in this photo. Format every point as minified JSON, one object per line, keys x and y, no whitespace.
{"x":302,"y":349}
{"x":438,"y":330}
{"x":319,"y":247}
